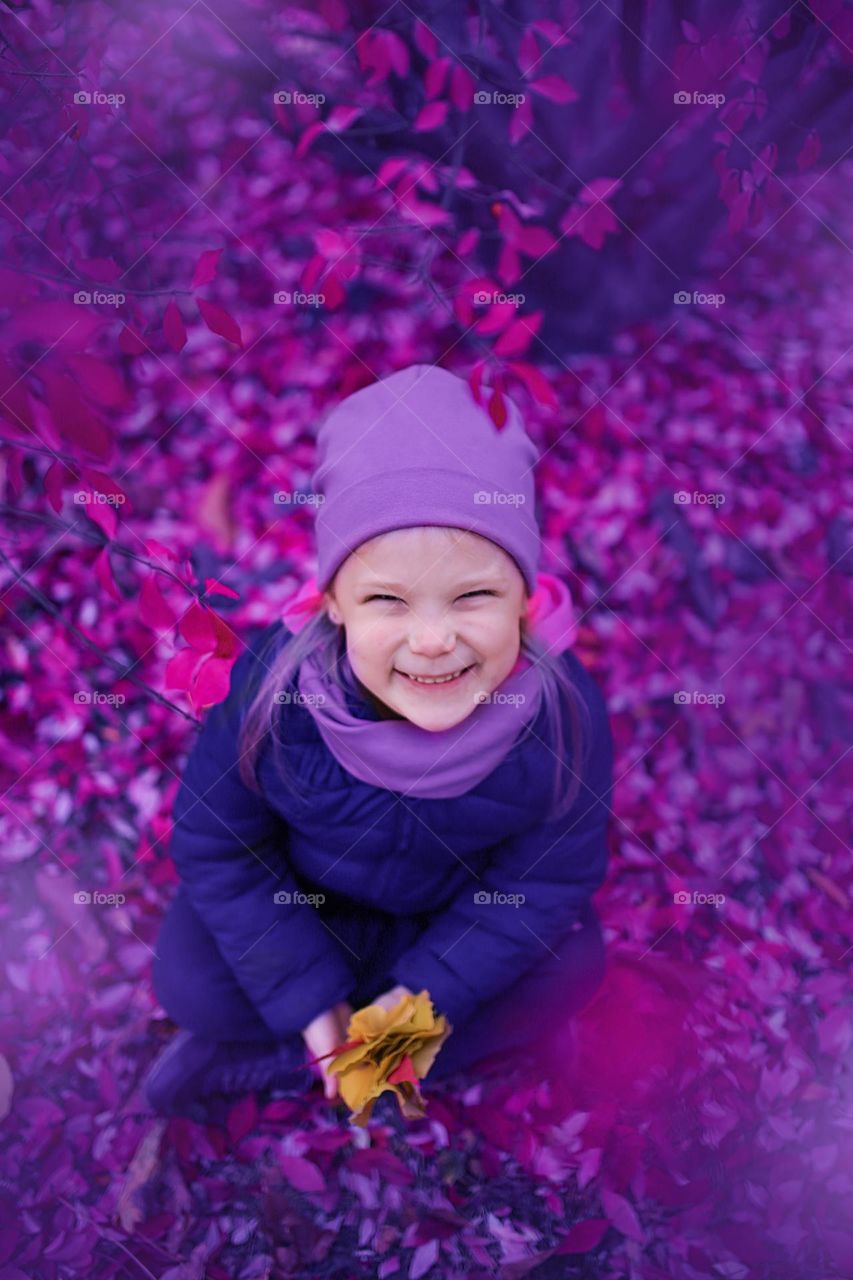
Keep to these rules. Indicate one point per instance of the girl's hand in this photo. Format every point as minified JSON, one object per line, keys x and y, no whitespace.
{"x":389,"y":998}
{"x":324,"y":1034}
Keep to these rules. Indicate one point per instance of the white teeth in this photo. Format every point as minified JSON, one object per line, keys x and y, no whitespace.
{"x":437,"y":679}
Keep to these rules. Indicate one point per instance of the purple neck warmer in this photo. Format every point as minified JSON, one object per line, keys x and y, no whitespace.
{"x":400,"y":756}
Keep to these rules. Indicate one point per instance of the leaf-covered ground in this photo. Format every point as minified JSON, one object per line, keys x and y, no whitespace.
{"x":707,"y":1126}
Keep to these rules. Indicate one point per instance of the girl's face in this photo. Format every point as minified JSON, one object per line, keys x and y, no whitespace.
{"x":429,"y":601}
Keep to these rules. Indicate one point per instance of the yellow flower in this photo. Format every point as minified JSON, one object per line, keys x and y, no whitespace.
{"x":389,"y":1049}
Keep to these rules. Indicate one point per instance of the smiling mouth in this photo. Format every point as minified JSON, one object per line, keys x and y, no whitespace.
{"x":432,"y":682}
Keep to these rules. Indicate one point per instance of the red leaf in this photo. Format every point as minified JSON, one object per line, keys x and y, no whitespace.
{"x":130,"y":342}
{"x":180,"y":669}
{"x":73,"y":417}
{"x":431,"y":117}
{"x":174,"y":329}
{"x":556,"y":89}
{"x":242,"y":1118}
{"x":521,"y":121}
{"x":63,"y":324}
{"x":56,"y":478}
{"x":106,"y":484}
{"x":301,"y":1173}
{"x":622,"y":1215}
{"x":98,"y":379}
{"x":103,"y":514}
{"x":205,"y":268}
{"x":219,"y":321}
{"x":809,"y":152}
{"x":154,"y":610}
{"x":461,"y":88}
{"x":198,"y":628}
{"x":528,"y":53}
{"x":583,"y":1236}
{"x":425,"y":40}
{"x":435,"y":76}
{"x":214,"y":587}
{"x":104,"y":574}
{"x":536,"y":383}
{"x":519,"y":335}
{"x":497,"y":410}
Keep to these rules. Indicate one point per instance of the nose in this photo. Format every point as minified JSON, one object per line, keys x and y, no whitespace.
{"x":431,"y":639}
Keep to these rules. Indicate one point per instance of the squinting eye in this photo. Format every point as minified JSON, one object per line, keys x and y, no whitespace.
{"x":482,"y":592}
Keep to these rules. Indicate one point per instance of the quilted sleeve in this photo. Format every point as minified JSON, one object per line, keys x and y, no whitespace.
{"x":229,"y":848}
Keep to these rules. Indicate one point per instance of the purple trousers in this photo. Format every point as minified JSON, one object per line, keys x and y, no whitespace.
{"x":200,"y":993}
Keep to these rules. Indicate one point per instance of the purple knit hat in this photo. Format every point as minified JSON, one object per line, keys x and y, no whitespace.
{"x":416,"y":449}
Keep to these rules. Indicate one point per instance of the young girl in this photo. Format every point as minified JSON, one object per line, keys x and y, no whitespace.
{"x":408,"y":784}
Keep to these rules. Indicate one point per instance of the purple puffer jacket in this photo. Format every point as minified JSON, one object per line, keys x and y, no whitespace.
{"x":403,"y":877}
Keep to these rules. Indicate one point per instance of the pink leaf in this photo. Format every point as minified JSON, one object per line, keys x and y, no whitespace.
{"x":528,"y":53}
{"x":214,"y":587}
{"x":521,"y":121}
{"x":435,"y":77}
{"x":205,"y":268}
{"x":56,"y":478}
{"x":518,"y":336}
{"x":210,"y":682}
{"x":461,"y":88}
{"x":103,"y":514}
{"x":154,"y":610}
{"x":809,"y":152}
{"x":174,"y":329}
{"x":104,"y":574}
{"x":431,"y":117}
{"x":340,"y":118}
{"x":497,"y":409}
{"x":130,"y":342}
{"x":242,"y":1118}
{"x":198,"y":628}
{"x":180,"y":669}
{"x":584,"y":1236}
{"x":536,"y":383}
{"x":99,"y":380}
{"x":302,"y":1174}
{"x":622,"y":1215}
{"x":425,"y":39}
{"x":219,"y":321}
{"x":556,"y":89}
